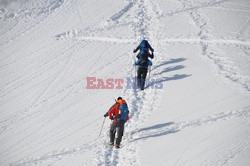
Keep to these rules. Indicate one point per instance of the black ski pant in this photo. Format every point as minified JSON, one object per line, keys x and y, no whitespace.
{"x":116,"y":129}
{"x":141,"y":77}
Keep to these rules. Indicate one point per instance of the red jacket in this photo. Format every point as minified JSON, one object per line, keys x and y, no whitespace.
{"x":114,"y":110}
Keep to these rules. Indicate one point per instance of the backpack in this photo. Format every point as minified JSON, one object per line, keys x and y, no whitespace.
{"x":123,"y":112}
{"x":143,"y":58}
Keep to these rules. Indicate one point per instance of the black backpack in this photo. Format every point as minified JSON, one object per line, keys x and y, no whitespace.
{"x":143,"y":58}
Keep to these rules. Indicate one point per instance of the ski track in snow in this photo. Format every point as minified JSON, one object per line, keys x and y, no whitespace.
{"x":171,"y":127}
{"x":140,"y":28}
{"x":111,"y":156}
{"x":133,"y":138}
{"x":187,"y":8}
{"x":232,"y":72}
{"x":9,"y":14}
{"x":43,"y":13}
{"x":140,"y":102}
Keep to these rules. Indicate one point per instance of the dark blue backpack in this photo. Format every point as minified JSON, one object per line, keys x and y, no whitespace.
{"x":143,"y":58}
{"x":123,"y":112}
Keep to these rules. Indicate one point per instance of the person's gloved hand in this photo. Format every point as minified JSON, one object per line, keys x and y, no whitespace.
{"x":105,"y":115}
{"x":134,"y":51}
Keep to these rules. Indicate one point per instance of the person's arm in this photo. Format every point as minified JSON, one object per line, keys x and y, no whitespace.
{"x":151,"y":55}
{"x":151,"y":49}
{"x":135,"y":50}
{"x":111,"y":112}
{"x":106,"y":114}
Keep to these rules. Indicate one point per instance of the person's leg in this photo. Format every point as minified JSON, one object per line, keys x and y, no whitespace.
{"x":119,"y":130}
{"x":139,"y":77}
{"x":143,"y":78}
{"x":112,"y":133}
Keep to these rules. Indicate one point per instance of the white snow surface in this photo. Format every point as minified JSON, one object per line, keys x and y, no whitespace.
{"x":48,"y":48}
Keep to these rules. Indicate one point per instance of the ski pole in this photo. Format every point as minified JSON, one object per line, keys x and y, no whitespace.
{"x":101,"y":128}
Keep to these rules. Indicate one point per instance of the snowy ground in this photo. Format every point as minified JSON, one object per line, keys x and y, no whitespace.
{"x":48,"y":48}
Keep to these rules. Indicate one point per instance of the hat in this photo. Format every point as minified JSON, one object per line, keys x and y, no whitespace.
{"x":119,"y":98}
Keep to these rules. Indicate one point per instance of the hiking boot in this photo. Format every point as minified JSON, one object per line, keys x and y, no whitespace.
{"x":117,"y":146}
{"x":111,"y":144}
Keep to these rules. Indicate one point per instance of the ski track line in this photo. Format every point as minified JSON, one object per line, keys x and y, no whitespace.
{"x":60,"y":75}
{"x":208,"y":41}
{"x":109,"y":23}
{"x":24,"y":56}
{"x":35,"y":140}
{"x":139,"y":104}
{"x":6,"y":31}
{"x":243,"y":29}
{"x":192,"y":145}
{"x":197,"y":7}
{"x":89,"y":145}
{"x":56,"y":155}
{"x":49,"y":22}
{"x":142,"y":30}
{"x":10,"y":62}
{"x":213,"y":103}
{"x":168,"y":40}
{"x":15,"y":115}
{"x":52,"y":130}
{"x":228,"y":156}
{"x":34,"y":11}
{"x":148,"y":133}
{"x":50,"y":11}
{"x":33,"y":76}
{"x":116,"y":155}
{"x":123,"y":11}
{"x":219,"y":59}
{"x":151,"y":132}
{"x":41,"y":129}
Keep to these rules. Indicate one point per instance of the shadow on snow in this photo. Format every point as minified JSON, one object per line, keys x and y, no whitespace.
{"x":166,"y":70}
{"x":156,"y":131}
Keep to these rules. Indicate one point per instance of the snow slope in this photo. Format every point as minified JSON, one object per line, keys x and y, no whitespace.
{"x":48,"y":48}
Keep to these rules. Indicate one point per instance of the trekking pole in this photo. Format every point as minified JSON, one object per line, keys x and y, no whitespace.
{"x":101,"y":128}
{"x":135,"y":75}
{"x":135,"y":78}
{"x":149,"y":73}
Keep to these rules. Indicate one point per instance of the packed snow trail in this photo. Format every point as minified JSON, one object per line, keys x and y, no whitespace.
{"x":49,"y":117}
